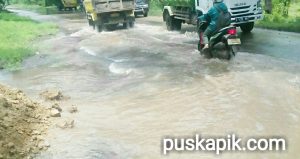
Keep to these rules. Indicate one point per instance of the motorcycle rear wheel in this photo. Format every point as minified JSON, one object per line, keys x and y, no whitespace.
{"x":229,"y":52}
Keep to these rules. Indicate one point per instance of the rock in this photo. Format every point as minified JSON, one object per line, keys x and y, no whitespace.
{"x":12,"y":151}
{"x":69,"y":123}
{"x":62,"y":125}
{"x":73,"y":109}
{"x":4,"y":102}
{"x":10,"y":145}
{"x":15,"y":101}
{"x":56,"y":106}
{"x":42,"y":145}
{"x":47,"y":144}
{"x":31,"y":105}
{"x":54,"y":113}
{"x":40,"y":138}
{"x":52,"y":95}
{"x":20,"y":132}
{"x":36,"y":132}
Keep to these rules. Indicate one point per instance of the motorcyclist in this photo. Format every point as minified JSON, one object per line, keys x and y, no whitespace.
{"x":215,"y":20}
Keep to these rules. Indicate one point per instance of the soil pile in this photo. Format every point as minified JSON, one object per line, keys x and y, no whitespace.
{"x":23,"y":122}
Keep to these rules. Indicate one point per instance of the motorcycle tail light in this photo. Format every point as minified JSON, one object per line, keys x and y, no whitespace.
{"x":232,"y":31}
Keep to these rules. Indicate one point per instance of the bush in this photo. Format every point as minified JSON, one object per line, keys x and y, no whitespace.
{"x":37,"y":2}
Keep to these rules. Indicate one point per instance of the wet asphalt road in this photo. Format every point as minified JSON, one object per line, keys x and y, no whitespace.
{"x":133,"y":87}
{"x":284,"y":45}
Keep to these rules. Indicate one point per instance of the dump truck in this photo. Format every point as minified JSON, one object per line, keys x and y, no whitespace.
{"x":66,"y":4}
{"x":109,"y":13}
{"x":243,"y":12}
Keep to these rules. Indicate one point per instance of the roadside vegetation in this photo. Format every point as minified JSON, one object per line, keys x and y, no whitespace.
{"x":285,"y":16}
{"x":39,"y":6}
{"x":155,"y":8}
{"x":17,"y":35}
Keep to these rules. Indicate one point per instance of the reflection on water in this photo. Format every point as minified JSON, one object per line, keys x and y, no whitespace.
{"x":133,"y":87}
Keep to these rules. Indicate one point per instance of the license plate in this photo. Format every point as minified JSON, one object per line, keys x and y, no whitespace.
{"x":114,"y":14}
{"x":236,"y":41}
{"x":242,"y":19}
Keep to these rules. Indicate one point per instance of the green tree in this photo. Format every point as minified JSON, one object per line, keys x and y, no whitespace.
{"x":268,"y":6}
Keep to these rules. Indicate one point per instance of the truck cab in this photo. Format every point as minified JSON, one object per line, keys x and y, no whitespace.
{"x":243,"y":12}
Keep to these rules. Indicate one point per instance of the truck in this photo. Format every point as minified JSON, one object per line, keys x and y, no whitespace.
{"x":109,"y":13}
{"x":243,"y":12}
{"x":66,"y":4}
{"x":141,"y":8}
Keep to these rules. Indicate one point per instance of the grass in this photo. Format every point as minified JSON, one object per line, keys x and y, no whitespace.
{"x":38,"y":8}
{"x":155,"y":8}
{"x":17,"y":36}
{"x":277,"y":22}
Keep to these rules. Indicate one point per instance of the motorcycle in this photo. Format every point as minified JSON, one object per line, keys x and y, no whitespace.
{"x":226,"y":36}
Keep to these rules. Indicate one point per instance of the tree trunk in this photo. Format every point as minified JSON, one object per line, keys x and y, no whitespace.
{"x":268,"y":6}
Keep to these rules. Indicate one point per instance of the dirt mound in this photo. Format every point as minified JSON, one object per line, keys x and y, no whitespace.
{"x":22,"y":124}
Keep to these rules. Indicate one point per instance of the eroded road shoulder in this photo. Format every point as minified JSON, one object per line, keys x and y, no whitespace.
{"x":23,"y":123}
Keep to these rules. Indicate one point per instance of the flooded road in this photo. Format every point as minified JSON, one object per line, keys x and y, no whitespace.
{"x":134,"y":87}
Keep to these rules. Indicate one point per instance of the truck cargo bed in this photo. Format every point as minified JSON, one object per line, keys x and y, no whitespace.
{"x":102,"y":6}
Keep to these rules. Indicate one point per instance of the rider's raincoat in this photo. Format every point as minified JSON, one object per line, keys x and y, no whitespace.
{"x":213,"y":18}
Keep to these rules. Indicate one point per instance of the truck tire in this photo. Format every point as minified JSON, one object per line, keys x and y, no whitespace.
{"x":146,"y":14}
{"x":247,"y":27}
{"x":90,"y":22}
{"x":99,"y":27}
{"x":126,"y":25}
{"x":177,"y":24}
{"x":131,"y":24}
{"x":169,"y":21}
{"x":111,"y":27}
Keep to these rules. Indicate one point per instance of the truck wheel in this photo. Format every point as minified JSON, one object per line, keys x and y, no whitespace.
{"x":111,"y":27}
{"x":131,"y":24}
{"x":177,"y":24}
{"x":90,"y":22}
{"x":126,"y":25}
{"x":146,"y":14}
{"x":99,"y":27}
{"x":247,"y":27}
{"x":169,"y":22}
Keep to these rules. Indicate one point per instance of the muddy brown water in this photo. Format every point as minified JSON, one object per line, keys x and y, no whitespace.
{"x":133,"y":87}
